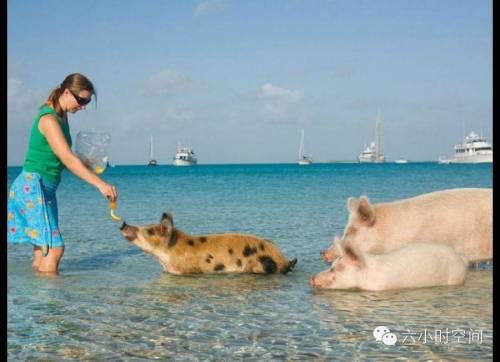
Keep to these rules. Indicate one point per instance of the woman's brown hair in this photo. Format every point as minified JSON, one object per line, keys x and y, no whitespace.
{"x":75,"y":82}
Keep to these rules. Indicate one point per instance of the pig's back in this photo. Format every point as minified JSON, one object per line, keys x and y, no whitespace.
{"x":423,"y":264}
{"x":458,"y":197}
{"x":459,"y":217}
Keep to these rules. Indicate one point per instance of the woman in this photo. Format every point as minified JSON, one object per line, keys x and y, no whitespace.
{"x":32,"y":205}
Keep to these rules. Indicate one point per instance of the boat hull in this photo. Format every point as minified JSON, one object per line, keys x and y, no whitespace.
{"x":183,"y":163}
{"x":371,"y":160}
{"x":484,"y":158}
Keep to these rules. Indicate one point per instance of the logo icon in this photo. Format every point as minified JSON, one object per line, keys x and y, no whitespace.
{"x":384,"y":335}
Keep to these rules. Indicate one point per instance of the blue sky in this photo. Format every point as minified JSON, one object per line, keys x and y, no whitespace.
{"x":237,"y":80}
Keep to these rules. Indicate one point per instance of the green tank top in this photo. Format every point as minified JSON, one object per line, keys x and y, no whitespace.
{"x":40,"y":157}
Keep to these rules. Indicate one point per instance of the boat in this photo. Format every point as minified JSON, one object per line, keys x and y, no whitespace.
{"x":401,"y":160}
{"x":152,"y":161}
{"x":184,"y":156}
{"x":474,"y":149}
{"x":304,"y":158}
{"x":372,"y":153}
{"x":443,"y":160}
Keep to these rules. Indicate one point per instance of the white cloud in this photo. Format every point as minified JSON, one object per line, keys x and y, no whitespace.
{"x":20,"y":98}
{"x":166,"y":82}
{"x":22,"y":106}
{"x":176,"y":118}
{"x":278,"y":102}
{"x":274,"y":93}
{"x":209,"y":6}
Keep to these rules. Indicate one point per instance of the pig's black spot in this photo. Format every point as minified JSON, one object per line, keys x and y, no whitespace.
{"x":268,"y":264}
{"x":219,"y":267}
{"x":238,"y":262}
{"x":203,"y":239}
{"x":261,"y":246}
{"x":208,"y":260}
{"x":209,"y":256}
{"x":173,"y":239}
{"x":191,"y":242}
{"x":230,"y":251}
{"x":249,"y":251}
{"x":151,"y":231}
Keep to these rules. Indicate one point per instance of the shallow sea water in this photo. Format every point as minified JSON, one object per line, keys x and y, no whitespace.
{"x":113,"y":302}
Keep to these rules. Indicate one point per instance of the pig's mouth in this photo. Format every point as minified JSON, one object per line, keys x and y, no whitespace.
{"x":129,"y":232}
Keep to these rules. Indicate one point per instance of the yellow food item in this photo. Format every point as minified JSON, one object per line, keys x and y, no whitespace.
{"x":113,"y":216}
{"x":112,"y":208}
{"x":98,"y":169}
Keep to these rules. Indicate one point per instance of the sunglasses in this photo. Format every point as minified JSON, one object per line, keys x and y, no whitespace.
{"x":81,"y":101}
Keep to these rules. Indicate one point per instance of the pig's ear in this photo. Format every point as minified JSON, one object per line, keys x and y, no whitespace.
{"x":352,"y":204}
{"x":366,"y":211}
{"x":166,"y":223}
{"x":354,"y":257}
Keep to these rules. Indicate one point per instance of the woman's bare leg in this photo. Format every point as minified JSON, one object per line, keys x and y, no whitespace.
{"x":50,"y":262}
{"x":37,"y":257}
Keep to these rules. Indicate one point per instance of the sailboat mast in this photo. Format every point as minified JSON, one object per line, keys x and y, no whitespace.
{"x":301,"y":148}
{"x":151,"y":149}
{"x":377,"y":137}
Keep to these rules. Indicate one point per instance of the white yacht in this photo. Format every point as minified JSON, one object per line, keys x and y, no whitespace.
{"x":304,"y":158}
{"x":184,"y":156}
{"x":152,"y":161}
{"x":372,"y":153}
{"x":474,"y":149}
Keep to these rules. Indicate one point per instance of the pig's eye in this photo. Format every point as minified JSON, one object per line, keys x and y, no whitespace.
{"x":151,"y":231}
{"x":340,"y":267}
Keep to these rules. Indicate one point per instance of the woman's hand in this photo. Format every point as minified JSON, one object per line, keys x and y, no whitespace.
{"x":109,"y":191}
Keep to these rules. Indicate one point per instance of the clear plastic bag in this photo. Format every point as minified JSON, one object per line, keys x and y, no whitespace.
{"x":91,"y":148}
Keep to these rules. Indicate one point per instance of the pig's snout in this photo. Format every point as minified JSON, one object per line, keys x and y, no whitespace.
{"x":312,"y":282}
{"x":129,"y":232}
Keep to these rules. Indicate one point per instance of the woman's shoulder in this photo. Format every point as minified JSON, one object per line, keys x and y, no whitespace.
{"x":47,"y":110}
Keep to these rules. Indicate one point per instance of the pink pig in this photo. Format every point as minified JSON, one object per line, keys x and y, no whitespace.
{"x":462,"y":218}
{"x":415,"y":265}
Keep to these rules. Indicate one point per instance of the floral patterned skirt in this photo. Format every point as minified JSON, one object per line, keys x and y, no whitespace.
{"x":32,"y":216}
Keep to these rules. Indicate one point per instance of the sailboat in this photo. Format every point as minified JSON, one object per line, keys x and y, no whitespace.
{"x":152,"y":161}
{"x":304,"y":158}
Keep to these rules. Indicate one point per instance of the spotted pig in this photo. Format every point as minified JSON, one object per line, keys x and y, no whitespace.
{"x":181,"y":253}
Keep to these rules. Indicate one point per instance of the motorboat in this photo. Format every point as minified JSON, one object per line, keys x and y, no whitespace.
{"x":184,"y":156}
{"x":474,"y":149}
{"x":372,"y":153}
